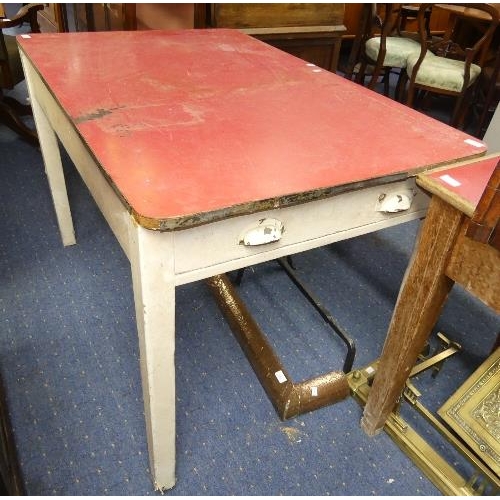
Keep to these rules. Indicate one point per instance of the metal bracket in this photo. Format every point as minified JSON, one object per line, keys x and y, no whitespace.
{"x":436,"y":360}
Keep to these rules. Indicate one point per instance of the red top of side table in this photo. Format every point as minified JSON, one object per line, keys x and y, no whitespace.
{"x":196,"y":125}
{"x":462,"y":185}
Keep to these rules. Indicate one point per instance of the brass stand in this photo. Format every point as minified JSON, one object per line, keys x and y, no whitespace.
{"x":432,"y":464}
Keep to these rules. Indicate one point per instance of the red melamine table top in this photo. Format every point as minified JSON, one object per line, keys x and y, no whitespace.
{"x":196,"y":125}
{"x":461,"y":185}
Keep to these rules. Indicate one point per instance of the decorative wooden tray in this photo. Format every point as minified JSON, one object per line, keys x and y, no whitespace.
{"x":473,"y":412}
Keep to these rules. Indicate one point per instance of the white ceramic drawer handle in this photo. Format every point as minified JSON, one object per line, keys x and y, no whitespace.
{"x":265,"y":231}
{"x":395,"y":202}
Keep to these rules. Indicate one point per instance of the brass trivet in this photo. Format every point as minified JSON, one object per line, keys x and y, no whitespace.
{"x":473,"y":412}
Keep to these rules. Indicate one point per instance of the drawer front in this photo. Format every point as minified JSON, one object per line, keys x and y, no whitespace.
{"x":298,"y":227}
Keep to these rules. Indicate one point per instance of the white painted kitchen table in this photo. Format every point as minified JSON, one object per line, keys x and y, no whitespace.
{"x":208,"y":151}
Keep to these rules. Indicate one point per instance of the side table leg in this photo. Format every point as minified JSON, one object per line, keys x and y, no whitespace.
{"x":421,"y":298}
{"x":152,"y":264}
{"x":53,"y":164}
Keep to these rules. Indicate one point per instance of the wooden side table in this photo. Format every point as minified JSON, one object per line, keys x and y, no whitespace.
{"x":444,"y":254}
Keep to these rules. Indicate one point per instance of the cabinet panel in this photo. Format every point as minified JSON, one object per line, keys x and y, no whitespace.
{"x":253,"y":15}
{"x":312,"y":32}
{"x":166,"y":16}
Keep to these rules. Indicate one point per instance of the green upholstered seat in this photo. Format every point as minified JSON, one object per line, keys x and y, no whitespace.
{"x":441,"y":73}
{"x":398,"y":49}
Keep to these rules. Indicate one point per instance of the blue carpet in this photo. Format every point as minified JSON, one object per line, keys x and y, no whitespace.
{"x":69,"y":360}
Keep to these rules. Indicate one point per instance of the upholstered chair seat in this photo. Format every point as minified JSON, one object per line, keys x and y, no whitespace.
{"x":398,"y":49}
{"x":442,"y":73}
{"x":450,"y":65}
{"x":382,"y":45}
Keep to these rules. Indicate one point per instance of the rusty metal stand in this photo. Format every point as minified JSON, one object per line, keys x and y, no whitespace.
{"x":289,"y":399}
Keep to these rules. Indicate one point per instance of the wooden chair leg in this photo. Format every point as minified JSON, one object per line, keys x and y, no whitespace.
{"x":461,"y":111}
{"x":10,"y":117}
{"x":360,"y":75}
{"x":374,"y":78}
{"x":410,"y":97}
{"x":401,"y":86}
{"x":457,"y":114}
{"x":386,"y":79}
{"x":19,"y":108}
{"x":488,"y":99}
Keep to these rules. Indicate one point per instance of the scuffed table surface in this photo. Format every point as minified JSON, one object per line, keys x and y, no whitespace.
{"x":194,"y":126}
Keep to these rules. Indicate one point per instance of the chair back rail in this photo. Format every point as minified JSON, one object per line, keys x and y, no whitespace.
{"x":424,"y":72}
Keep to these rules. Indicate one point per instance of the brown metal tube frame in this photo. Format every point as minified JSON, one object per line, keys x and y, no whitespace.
{"x":289,"y":399}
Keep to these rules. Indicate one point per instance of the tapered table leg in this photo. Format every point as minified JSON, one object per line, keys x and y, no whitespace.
{"x":52,"y":161}
{"x":152,"y":263}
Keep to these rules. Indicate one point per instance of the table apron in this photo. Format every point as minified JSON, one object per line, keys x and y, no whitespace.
{"x":215,"y":248}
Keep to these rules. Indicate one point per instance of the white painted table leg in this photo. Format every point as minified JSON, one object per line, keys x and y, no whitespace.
{"x":53,"y":165}
{"x":152,"y":263}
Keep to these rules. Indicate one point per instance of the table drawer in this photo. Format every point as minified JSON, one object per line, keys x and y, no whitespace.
{"x":304,"y":226}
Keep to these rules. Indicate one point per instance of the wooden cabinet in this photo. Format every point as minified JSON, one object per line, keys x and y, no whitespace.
{"x":83,"y":17}
{"x":122,"y":16}
{"x":310,"y":31}
{"x":275,"y":15}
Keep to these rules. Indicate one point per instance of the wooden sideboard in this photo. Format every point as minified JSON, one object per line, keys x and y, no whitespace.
{"x":182,"y":15}
{"x":312,"y":32}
